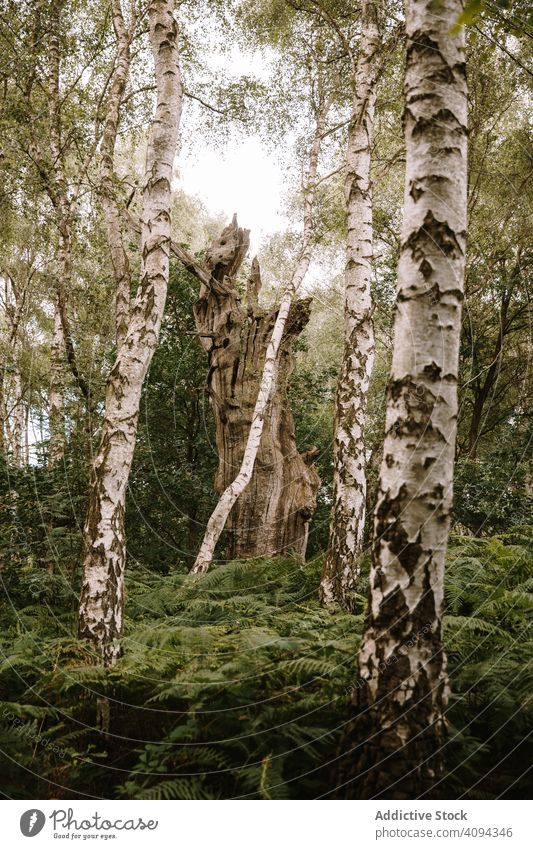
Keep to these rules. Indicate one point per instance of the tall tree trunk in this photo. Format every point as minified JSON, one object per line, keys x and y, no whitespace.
{"x":3,"y":412}
{"x":482,"y":389}
{"x":101,"y":603}
{"x":349,"y":479}
{"x":13,"y":406}
{"x":262,"y":409}
{"x":119,"y":256}
{"x":56,"y":417}
{"x":399,"y":728}
{"x":272,"y":514}
{"x":58,"y":193}
{"x":26,"y":438}
{"x":18,"y":420}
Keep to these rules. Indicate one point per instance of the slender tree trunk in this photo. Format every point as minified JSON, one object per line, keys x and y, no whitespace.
{"x":102,"y":595}
{"x":18,"y":420}
{"x":349,"y":479}
{"x":400,"y":698}
{"x":58,"y":193}
{"x":56,"y":417}
{"x":119,"y":257}
{"x":58,"y":196}
{"x":237,"y":486}
{"x":26,"y":439}
{"x":3,"y":412}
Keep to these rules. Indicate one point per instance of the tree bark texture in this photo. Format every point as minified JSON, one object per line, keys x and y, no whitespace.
{"x":56,"y":419}
{"x":58,"y":193}
{"x":267,"y":385}
{"x":12,"y":404}
{"x":400,"y":698}
{"x":341,"y":571}
{"x":272,"y":514}
{"x":102,"y":595}
{"x":112,"y":218}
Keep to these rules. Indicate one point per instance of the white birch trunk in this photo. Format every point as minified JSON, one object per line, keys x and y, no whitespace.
{"x":56,"y":423}
{"x":219,"y":516}
{"x":12,"y":410}
{"x":59,"y":197}
{"x":101,"y":603}
{"x":402,"y":692}
{"x":349,"y":475}
{"x":119,"y":256}
{"x":18,"y":420}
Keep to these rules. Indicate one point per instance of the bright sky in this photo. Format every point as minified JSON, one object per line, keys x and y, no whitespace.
{"x":243,"y":178}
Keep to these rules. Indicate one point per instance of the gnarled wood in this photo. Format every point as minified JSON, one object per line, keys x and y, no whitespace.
{"x":272,"y":514}
{"x":272,"y":357}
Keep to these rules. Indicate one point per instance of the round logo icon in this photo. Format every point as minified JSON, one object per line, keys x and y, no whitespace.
{"x":32,"y":822}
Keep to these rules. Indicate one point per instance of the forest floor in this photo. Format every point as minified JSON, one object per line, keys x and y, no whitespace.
{"x":235,"y":684}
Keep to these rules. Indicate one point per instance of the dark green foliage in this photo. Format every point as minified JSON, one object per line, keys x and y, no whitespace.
{"x":311,"y":395}
{"x":490,"y":493}
{"x":40,"y":538}
{"x":235,"y":684}
{"x":232,"y":684}
{"x":489,"y":639}
{"x":171,"y":484}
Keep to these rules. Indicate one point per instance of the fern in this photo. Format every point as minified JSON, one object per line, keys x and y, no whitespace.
{"x":234,"y":684}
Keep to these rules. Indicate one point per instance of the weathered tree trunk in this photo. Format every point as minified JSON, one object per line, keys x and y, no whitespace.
{"x":399,"y":728}
{"x":267,"y":385}
{"x":272,"y":514}
{"x":102,"y":595}
{"x":341,"y":571}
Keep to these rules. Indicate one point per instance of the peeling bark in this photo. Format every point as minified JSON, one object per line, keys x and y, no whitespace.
{"x":58,"y":193}
{"x":237,"y":486}
{"x":401,"y":695}
{"x":102,"y":595}
{"x":341,"y":570}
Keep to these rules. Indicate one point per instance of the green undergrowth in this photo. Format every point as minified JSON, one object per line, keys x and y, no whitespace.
{"x":234,"y":684}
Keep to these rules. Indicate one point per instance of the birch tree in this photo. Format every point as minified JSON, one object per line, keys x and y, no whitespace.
{"x":349,"y":479}
{"x":102,"y":595}
{"x":63,"y":212}
{"x":401,"y":695}
{"x":16,"y":284}
{"x":110,"y":205}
